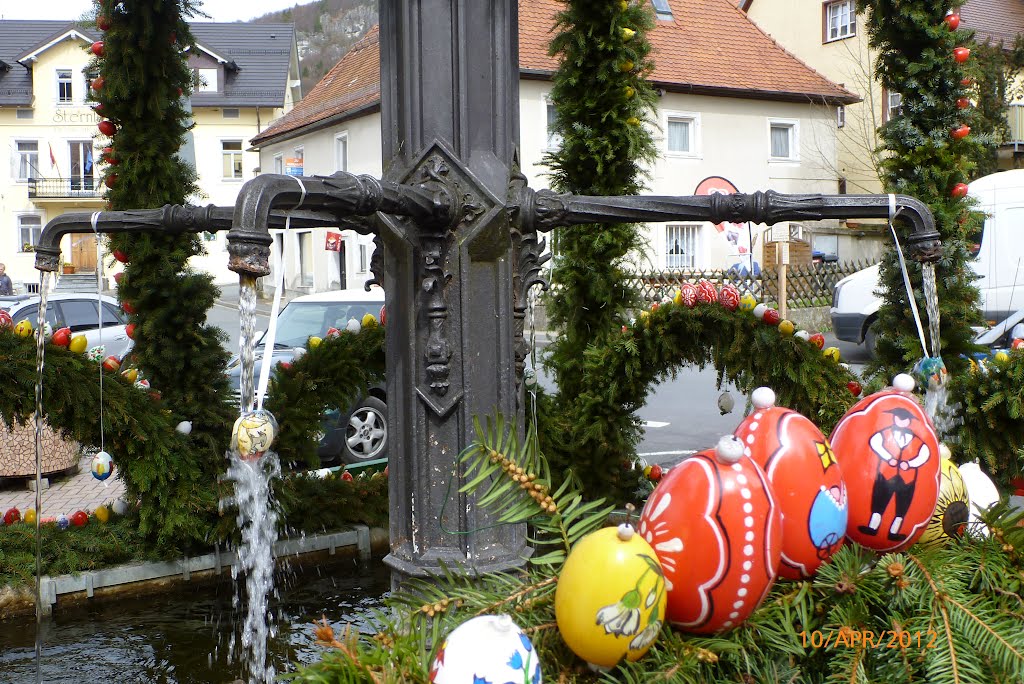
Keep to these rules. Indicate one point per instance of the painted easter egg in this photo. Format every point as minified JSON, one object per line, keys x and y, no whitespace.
{"x":79,"y":518}
{"x":610,"y":599}
{"x":889,"y":453}
{"x":982,"y":492}
{"x":63,"y":522}
{"x":806,"y":479}
{"x":253,"y":434}
{"x":78,"y":343}
{"x":487,"y":648}
{"x":729,"y":297}
{"x":786,"y":327}
{"x":706,"y":292}
{"x":771,"y":316}
{"x":23,"y":328}
{"x":11,"y":516}
{"x":6,"y":323}
{"x":714,"y":524}
{"x":747,"y":302}
{"x":97,"y":353}
{"x":102,"y":465}
{"x":687,"y":295}
{"x":949,"y":521}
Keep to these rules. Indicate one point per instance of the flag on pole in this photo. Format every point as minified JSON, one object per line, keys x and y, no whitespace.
{"x":53,"y":160}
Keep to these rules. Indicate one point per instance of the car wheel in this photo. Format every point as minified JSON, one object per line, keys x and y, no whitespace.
{"x":366,"y":436}
{"x":871,"y":340}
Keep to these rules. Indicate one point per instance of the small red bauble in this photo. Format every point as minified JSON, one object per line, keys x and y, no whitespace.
{"x":12,"y":516}
{"x":771,"y":317}
{"x":654,"y":306}
{"x":960,"y":132}
{"x":715,"y":527}
{"x":952,"y":20}
{"x":129,"y":330}
{"x":111,"y":180}
{"x":818,"y":340}
{"x":963,"y":103}
{"x":854,"y":387}
{"x":706,"y":292}
{"x":103,"y":22}
{"x":961,"y":54}
{"x":97,"y":48}
{"x":118,"y":277}
{"x":346,"y":476}
{"x":112,"y":364}
{"x":79,"y":518}
{"x":98,"y":108}
{"x":890,"y":458}
{"x":154,"y":395}
{"x":61,"y":337}
{"x":655,"y":473}
{"x":127,"y":307}
{"x":121,"y":256}
{"x":966,"y":81}
{"x":285,"y":365}
{"x":625,"y":329}
{"x":959,"y":190}
{"x":1017,"y":343}
{"x":98,"y":83}
{"x":729,"y":297}
{"x":107,"y":127}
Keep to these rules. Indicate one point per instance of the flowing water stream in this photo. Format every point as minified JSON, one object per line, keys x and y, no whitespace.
{"x":44,"y":291}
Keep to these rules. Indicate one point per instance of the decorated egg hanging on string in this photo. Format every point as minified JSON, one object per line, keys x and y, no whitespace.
{"x":949,"y":521}
{"x":96,"y":353}
{"x":687,"y":295}
{"x":806,"y":479}
{"x":487,"y":648}
{"x":610,"y":598}
{"x":890,"y":458}
{"x":253,"y":433}
{"x":714,"y":524}
{"x":102,"y":465}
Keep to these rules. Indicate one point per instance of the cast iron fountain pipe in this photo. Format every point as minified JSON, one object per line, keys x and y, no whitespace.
{"x":544,"y":210}
{"x":172,"y":218}
{"x":340,"y":195}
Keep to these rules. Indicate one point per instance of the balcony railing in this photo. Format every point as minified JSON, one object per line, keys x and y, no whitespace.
{"x":1015,"y":117}
{"x":60,"y":188}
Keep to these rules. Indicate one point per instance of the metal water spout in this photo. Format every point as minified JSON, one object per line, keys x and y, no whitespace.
{"x":171,"y":219}
{"x":336,"y":197}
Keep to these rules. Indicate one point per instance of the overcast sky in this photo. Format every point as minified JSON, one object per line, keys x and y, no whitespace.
{"x":219,"y":10}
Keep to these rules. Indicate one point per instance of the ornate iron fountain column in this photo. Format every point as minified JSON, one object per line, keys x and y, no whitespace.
{"x":450,"y":117}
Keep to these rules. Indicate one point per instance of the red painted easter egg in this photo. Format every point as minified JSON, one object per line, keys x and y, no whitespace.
{"x":806,"y":479}
{"x":771,"y":317}
{"x":729,"y":297}
{"x":687,"y":295}
{"x":713,"y":522}
{"x":889,"y":454}
{"x":706,"y":292}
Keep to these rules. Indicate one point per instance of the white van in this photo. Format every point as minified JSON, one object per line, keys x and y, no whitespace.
{"x":999,"y":261}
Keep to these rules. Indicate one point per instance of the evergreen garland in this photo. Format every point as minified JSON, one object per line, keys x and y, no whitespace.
{"x":920,"y":158}
{"x":603,"y":104}
{"x":946,"y":614}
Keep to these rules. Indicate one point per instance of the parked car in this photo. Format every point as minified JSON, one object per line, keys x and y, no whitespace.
{"x":359,"y":433}
{"x":998,"y":261}
{"x":77,"y":311}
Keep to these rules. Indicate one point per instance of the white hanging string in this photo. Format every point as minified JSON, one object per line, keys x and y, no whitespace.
{"x":99,"y":308}
{"x":893,"y":213}
{"x":268,"y":340}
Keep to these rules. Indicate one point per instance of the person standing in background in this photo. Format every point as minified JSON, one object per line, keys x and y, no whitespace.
{"x":6,"y":286}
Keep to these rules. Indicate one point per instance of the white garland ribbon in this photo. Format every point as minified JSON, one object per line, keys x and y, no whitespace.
{"x":893,"y":213}
{"x":99,"y":310}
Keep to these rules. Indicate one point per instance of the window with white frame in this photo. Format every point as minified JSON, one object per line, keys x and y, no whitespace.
{"x":206,"y":80}
{"x":783,"y":140}
{"x":840,"y":20}
{"x":306,"y":258}
{"x":364,"y":260}
{"x":30,"y":227}
{"x":279,"y":163}
{"x":65,"y":89}
{"x":662,"y":9}
{"x":893,"y":105}
{"x":682,"y":245}
{"x":26,"y":159}
{"x":840,"y":116}
{"x":681,"y":132}
{"x":554,"y":138}
{"x":341,"y":152}
{"x":231,"y":153}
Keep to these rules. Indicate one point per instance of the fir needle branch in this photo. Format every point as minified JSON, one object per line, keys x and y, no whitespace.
{"x":538,"y":628}
{"x":940,"y":598}
{"x":522,"y":592}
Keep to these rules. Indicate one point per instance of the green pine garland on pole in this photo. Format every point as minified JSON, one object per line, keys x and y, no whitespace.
{"x":145,"y":78}
{"x":923,"y":155}
{"x":602,"y":101}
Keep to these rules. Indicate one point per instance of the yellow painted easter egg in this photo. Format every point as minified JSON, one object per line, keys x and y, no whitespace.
{"x":610,"y":599}
{"x":1001,"y":356}
{"x":78,"y":344}
{"x":314,"y":341}
{"x":831,"y":353}
{"x":786,"y":327}
{"x":102,"y":514}
{"x":953,"y":507}
{"x":30,"y":516}
{"x":23,"y":328}
{"x":747,"y":302}
{"x":369,"y":321}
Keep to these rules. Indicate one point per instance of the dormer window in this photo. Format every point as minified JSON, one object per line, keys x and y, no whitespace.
{"x":207,"y":81}
{"x":662,"y":9}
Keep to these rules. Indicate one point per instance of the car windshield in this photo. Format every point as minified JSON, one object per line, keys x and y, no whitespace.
{"x":301,"y":320}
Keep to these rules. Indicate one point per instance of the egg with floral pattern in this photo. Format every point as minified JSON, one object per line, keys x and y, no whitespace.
{"x":806,"y":479}
{"x":715,"y":527}
{"x":706,"y":292}
{"x":687,"y":295}
{"x":488,"y":649}
{"x":610,"y":598}
{"x":729,"y":297}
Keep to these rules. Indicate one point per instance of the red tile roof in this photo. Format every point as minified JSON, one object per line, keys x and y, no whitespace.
{"x":709,"y":47}
{"x":994,"y":20}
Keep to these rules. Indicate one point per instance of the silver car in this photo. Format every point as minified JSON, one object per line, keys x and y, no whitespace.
{"x":77,"y":311}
